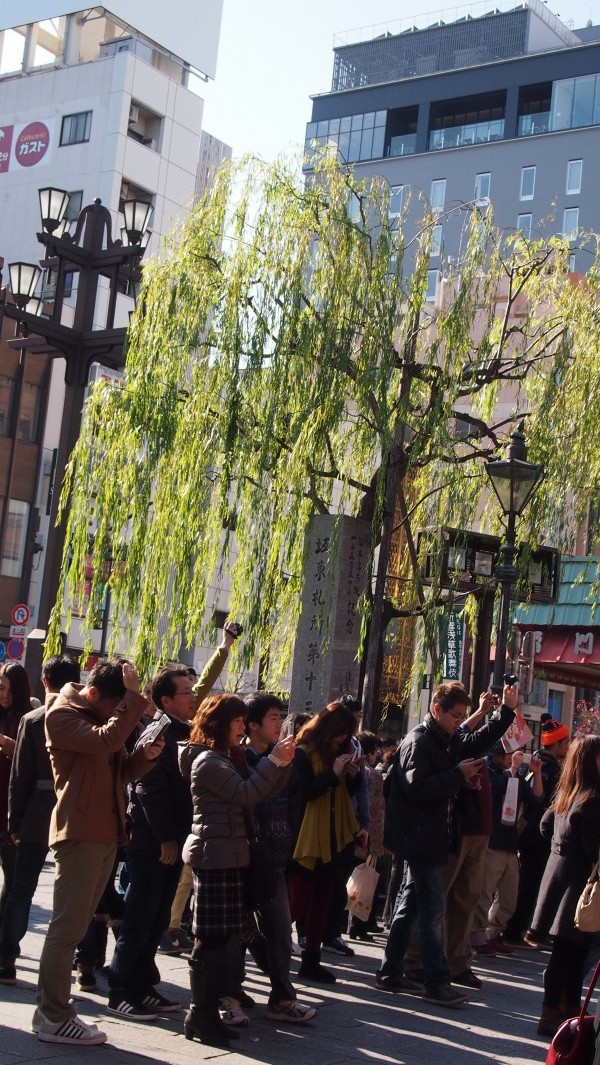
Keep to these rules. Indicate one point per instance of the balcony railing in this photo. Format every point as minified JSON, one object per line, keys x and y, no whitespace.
{"x":529,"y":125}
{"x":461,"y":136}
{"x":405,"y":144}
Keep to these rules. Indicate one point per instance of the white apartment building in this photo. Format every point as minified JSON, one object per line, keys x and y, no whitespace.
{"x":101,"y":102}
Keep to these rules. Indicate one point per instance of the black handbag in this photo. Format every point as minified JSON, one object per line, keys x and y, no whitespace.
{"x":260,"y":880}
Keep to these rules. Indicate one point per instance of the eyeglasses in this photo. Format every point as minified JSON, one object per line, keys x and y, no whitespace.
{"x":457,"y":717}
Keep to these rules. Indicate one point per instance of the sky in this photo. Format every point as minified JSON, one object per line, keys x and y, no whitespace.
{"x":275,"y":54}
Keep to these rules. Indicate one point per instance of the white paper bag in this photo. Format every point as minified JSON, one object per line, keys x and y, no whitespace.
{"x":511,"y":802}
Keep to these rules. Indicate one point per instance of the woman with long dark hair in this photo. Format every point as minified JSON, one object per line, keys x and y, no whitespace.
{"x":224,"y":790}
{"x":15,"y":694}
{"x":573,"y":821}
{"x":328,"y":824}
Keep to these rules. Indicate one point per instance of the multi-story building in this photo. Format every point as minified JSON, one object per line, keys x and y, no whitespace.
{"x":503,"y":107}
{"x":499,"y":108}
{"x":101,"y":102}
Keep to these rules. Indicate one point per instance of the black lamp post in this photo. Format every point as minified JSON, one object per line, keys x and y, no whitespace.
{"x":91,"y":253}
{"x":514,"y":481}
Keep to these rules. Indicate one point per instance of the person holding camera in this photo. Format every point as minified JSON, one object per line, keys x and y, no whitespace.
{"x":434,"y":762}
{"x":86,"y":728}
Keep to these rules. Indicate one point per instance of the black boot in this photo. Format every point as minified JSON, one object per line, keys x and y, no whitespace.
{"x":202,"y":1019}
{"x":311,"y":968}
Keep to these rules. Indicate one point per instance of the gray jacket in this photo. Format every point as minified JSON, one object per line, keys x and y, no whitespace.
{"x":219,"y":837}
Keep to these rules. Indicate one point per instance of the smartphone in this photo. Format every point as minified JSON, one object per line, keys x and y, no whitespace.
{"x":526,"y":758}
{"x":153,"y":732}
{"x":510,"y":678}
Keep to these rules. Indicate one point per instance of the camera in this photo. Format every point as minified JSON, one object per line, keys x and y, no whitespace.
{"x":510,"y":678}
{"x":233,"y":628}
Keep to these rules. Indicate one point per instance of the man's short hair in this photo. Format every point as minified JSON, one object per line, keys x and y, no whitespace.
{"x":107,"y":677}
{"x":60,"y":670}
{"x":449,"y":694}
{"x":163,"y":683}
{"x":258,"y":704}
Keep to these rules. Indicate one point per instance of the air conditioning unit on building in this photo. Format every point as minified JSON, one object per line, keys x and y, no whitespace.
{"x":134,"y":114}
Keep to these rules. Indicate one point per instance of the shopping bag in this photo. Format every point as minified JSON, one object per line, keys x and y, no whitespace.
{"x":511,"y":802}
{"x":575,"y":1041}
{"x":361,"y":888}
{"x":517,"y":735}
{"x":587,"y":912}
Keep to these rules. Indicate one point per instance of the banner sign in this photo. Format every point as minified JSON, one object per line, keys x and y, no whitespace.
{"x":451,"y":641}
{"x":26,"y":145}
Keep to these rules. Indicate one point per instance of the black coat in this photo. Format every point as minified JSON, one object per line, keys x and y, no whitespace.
{"x":573,"y":852}
{"x":424,"y":780}
{"x":31,"y":795}
{"x":160,"y":804}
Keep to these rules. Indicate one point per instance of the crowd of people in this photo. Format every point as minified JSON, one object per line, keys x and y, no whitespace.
{"x":148,"y":799}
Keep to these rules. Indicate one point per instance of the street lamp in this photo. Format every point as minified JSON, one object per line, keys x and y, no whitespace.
{"x":514,"y":481}
{"x":90,"y":252}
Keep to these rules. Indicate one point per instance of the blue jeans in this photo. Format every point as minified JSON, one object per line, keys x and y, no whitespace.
{"x":148,"y":902}
{"x":420,"y":903}
{"x":29,"y":861}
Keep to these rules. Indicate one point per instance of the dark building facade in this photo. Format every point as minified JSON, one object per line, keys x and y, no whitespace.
{"x":503,"y":109}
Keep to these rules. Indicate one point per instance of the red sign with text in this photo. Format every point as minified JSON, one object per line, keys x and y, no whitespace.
{"x":6,"y":137}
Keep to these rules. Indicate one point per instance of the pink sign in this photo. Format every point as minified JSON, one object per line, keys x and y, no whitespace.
{"x":6,"y":136}
{"x":32,"y":144}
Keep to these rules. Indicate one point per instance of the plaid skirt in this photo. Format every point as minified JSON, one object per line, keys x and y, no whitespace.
{"x":219,"y":905}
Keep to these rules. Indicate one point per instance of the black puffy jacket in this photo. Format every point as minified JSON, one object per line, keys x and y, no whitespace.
{"x":424,"y":778}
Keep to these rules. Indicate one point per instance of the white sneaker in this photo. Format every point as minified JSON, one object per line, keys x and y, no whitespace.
{"x":232,"y":1013}
{"x":73,"y":1031}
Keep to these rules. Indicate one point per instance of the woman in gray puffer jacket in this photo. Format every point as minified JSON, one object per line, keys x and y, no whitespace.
{"x":223,"y":792}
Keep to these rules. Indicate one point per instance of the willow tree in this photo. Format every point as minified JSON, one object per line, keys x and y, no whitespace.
{"x":284,"y":360}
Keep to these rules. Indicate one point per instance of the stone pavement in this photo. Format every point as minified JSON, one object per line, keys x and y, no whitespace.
{"x":355,"y":1023}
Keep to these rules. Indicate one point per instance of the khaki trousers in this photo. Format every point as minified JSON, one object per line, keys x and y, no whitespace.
{"x":498,"y":898}
{"x":82,"y":872}
{"x":184,"y":890}
{"x":464,"y":874}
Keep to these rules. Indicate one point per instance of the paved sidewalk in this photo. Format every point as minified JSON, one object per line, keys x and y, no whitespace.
{"x":355,"y":1023}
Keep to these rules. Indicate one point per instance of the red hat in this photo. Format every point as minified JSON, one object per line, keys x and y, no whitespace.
{"x":553,"y":732}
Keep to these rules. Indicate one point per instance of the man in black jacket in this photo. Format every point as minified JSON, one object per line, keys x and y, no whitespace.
{"x":159,"y":819}
{"x":31,"y":799}
{"x":434,"y":762}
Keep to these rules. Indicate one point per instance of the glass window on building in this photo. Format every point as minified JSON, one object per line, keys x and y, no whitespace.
{"x":555,"y":703}
{"x":436,"y":242}
{"x":527,"y":183}
{"x":482,"y":189}
{"x":396,"y":200}
{"x":29,"y":412}
{"x":574,"y":172}
{"x":15,"y":538}
{"x":76,"y":129}
{"x":437,"y":197}
{"x":524,"y":224}
{"x":7,"y":392}
{"x":572,"y":262}
{"x":571,"y":223}
{"x":433,"y":277}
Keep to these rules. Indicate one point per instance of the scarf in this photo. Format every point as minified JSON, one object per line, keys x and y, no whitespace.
{"x":314,"y":839}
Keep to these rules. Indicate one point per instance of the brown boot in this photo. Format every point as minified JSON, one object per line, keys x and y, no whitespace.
{"x":550,"y":1021}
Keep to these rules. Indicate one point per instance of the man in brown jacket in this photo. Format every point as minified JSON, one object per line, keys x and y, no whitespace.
{"x":86,"y":729}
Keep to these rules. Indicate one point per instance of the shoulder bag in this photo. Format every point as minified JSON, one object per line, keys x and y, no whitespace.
{"x":574,"y":1043}
{"x":587,"y":913}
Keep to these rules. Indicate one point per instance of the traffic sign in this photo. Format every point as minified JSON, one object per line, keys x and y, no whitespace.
{"x":18,"y":630}
{"x":20,"y":614}
{"x":16,"y":648}
{"x":2,"y":649}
